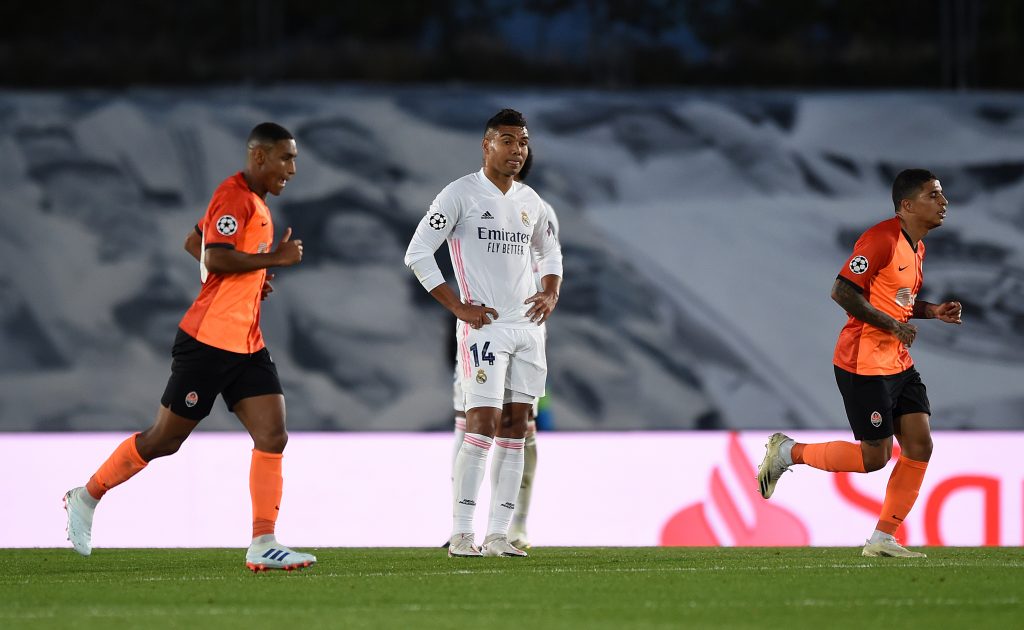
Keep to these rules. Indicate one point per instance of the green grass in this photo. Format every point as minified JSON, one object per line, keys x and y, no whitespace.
{"x":555,"y":588}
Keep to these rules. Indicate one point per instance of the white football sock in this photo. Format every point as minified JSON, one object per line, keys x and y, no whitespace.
{"x":87,"y":499}
{"x":526,"y":486}
{"x":265,"y":539}
{"x":460,"y":433}
{"x":786,"y":451}
{"x":469,"y":474}
{"x":506,"y":476}
{"x":879,"y":536}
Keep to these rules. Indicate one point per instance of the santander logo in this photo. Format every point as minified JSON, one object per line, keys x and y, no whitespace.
{"x":734,"y":514}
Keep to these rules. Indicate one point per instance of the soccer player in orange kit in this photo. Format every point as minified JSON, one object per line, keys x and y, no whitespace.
{"x":219,"y":349}
{"x":882,"y":391}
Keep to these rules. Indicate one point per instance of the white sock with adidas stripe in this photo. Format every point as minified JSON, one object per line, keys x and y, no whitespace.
{"x":506,"y":475}
{"x":469,"y":474}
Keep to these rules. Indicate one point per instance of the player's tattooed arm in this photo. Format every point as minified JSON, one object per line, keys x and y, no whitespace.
{"x":923,"y":310}
{"x":853,"y":302}
{"x":948,"y":312}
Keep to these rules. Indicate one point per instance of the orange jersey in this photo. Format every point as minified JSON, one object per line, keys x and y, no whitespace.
{"x":226,"y":314}
{"x":887,"y":269}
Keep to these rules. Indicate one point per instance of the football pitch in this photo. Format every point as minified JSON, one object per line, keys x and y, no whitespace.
{"x":577,"y":587}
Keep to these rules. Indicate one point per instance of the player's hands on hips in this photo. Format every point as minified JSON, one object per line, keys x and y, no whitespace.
{"x":288,"y":252}
{"x":267,"y":287}
{"x":905,"y":333}
{"x":542,"y":303}
{"x":949,"y":312}
{"x":476,"y":315}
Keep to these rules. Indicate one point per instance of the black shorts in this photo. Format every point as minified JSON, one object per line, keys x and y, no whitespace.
{"x":199,"y":372}
{"x":873,"y":401}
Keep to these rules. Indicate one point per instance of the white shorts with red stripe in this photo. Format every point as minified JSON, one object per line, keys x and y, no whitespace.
{"x":498,"y":365}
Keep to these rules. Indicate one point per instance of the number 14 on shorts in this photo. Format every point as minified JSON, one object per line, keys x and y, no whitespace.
{"x":484,"y":355}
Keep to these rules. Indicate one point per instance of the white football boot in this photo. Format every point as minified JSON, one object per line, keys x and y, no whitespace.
{"x":497,"y":545}
{"x":266,"y":554}
{"x":80,"y":516}
{"x":518,"y":538}
{"x":886,"y":546}
{"x":773,"y":464}
{"x":462,"y":546}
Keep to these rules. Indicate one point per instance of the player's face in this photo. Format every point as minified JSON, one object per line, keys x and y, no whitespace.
{"x":505,"y":149}
{"x":278,"y":165}
{"x":929,"y":206}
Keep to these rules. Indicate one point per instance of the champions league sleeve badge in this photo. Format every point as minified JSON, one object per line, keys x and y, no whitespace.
{"x":227,"y":225}
{"x":437,"y":221}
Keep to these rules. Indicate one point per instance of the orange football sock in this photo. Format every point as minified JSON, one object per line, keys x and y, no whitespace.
{"x":830,"y":456}
{"x":121,"y":466}
{"x":265,"y":487}
{"x":901,"y":493}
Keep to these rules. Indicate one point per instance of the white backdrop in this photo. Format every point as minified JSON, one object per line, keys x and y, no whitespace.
{"x":391,"y":489}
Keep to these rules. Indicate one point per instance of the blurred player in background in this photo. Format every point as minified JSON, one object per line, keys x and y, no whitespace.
{"x":517,"y":531}
{"x":492,"y":223}
{"x":882,"y":391}
{"x":219,"y":349}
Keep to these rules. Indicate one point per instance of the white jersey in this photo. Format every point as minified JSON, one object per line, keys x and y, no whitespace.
{"x":494,"y":240}
{"x":554,"y":231}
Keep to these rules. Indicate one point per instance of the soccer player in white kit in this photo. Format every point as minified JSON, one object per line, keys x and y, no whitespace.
{"x":492,"y":223}
{"x":517,"y":532}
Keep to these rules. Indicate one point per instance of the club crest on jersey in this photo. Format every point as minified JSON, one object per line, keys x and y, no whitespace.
{"x":481,"y":376}
{"x":525,"y":217}
{"x":859,"y":265}
{"x":876,"y":419}
{"x":437,"y":221}
{"x":905,"y":298}
{"x":227,"y":225}
{"x":191,"y":399}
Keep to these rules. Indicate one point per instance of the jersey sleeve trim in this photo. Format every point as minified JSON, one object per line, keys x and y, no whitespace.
{"x":856,"y":287}
{"x":220,"y":246}
{"x":198,"y":231}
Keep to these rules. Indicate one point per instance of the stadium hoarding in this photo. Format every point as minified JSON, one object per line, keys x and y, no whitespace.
{"x":592,"y":489}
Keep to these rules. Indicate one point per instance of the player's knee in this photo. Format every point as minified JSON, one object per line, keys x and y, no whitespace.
{"x":513,"y":422}
{"x":919,"y":450}
{"x":151,"y":447}
{"x":871,"y":464}
{"x":272,"y":441}
{"x":876,"y":457}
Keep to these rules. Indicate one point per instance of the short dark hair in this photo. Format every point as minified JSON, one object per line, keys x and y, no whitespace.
{"x":509,"y":117}
{"x":527,"y":165}
{"x":267,"y":133}
{"x":908,"y":183}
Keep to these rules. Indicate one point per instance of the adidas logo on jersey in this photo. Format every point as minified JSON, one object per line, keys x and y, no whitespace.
{"x":487,"y":215}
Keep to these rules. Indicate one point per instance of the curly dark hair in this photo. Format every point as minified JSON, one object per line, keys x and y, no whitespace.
{"x":509,"y":117}
{"x":908,"y":183}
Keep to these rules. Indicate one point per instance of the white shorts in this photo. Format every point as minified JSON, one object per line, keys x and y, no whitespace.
{"x":500,"y":365}
{"x":459,"y":399}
